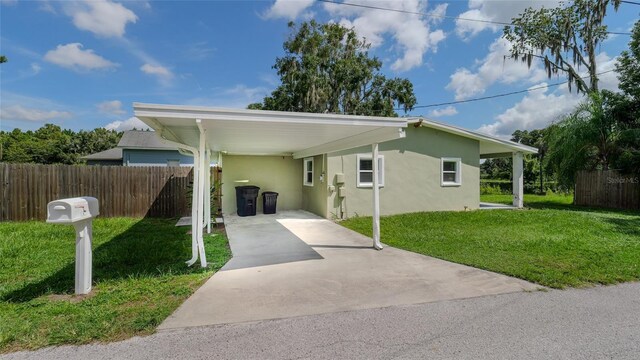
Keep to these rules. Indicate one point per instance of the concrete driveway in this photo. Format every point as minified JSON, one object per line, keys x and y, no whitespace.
{"x":295,"y":263}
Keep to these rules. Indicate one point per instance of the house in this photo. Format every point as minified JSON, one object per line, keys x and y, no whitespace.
{"x":324,"y":163}
{"x":140,"y":148}
{"x":434,"y":167}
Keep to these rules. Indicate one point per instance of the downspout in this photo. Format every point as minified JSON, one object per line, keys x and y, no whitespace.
{"x":201,"y":191}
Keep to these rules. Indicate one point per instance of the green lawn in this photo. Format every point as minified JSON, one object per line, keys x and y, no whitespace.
{"x":139,"y":279}
{"x":552,"y":242}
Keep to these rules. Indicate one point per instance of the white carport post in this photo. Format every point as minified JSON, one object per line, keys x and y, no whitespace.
{"x":376,"y":197}
{"x":518,"y":179}
{"x":207,"y":200}
{"x":201,"y":193}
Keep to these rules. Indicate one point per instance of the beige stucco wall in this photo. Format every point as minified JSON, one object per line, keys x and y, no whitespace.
{"x":281,"y":174}
{"x":412,"y":175}
{"x":314,"y":198}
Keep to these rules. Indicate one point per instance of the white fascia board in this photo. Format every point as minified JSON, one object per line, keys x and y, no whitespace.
{"x":375,"y":136}
{"x":208,"y":113}
{"x":473,"y":135}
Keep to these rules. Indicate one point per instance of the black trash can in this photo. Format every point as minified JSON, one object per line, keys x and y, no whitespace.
{"x":269,"y":201}
{"x":246,"y":197}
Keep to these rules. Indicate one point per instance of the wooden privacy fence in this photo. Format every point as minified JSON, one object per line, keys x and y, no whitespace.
{"x":25,"y":189}
{"x":607,"y":189}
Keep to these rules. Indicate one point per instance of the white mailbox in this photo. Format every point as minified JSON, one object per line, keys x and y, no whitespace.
{"x":67,"y":211}
{"x":78,"y":212}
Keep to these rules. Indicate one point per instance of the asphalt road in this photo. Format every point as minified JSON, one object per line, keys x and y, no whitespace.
{"x":595,"y":323}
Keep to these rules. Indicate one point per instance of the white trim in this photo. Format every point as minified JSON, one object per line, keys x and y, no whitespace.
{"x":458,"y":172}
{"x":208,"y":113}
{"x":305,"y":172}
{"x":361,"y":184}
{"x":366,"y":138}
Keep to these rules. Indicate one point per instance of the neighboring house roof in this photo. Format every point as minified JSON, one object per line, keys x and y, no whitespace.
{"x":111,"y":154}
{"x":489,"y":145}
{"x":132,"y":139}
{"x":137,"y":139}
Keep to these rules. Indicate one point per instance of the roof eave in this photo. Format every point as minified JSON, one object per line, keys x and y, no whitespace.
{"x":473,"y":135}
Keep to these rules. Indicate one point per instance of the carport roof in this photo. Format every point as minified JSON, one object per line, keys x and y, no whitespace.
{"x":258,"y":132}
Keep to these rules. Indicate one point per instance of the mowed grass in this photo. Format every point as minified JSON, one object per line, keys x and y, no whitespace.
{"x":139,"y":278}
{"x":552,"y":242}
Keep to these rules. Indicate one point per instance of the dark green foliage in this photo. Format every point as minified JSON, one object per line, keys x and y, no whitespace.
{"x":564,"y":38}
{"x":593,"y":137}
{"x":628,"y":66}
{"x":52,"y":145}
{"x":326,"y":68}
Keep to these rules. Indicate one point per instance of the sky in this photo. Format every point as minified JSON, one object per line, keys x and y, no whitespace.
{"x":82,"y":64}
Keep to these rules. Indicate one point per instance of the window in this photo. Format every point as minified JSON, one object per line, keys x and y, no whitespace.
{"x":450,"y":172}
{"x":365,"y":170}
{"x":307,"y":179}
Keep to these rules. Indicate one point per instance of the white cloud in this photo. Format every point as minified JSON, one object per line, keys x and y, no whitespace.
{"x":412,"y":34}
{"x":101,"y":17}
{"x":158,"y":70}
{"x":493,"y":68}
{"x":163,"y":74}
{"x":46,"y":6}
{"x":536,"y":110}
{"x":21,"y":113}
{"x":447,"y":111}
{"x":113,"y":107}
{"x":288,"y":9}
{"x":72,"y":56}
{"x":35,"y":69}
{"x":492,"y":10}
{"x":438,"y":13}
{"x":541,"y":107}
{"x":129,"y":124}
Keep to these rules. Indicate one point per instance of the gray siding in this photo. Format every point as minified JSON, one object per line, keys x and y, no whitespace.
{"x":138,"y":157}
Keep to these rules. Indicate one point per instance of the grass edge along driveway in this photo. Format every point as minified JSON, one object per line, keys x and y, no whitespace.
{"x":551,"y":243}
{"x":139,"y":278}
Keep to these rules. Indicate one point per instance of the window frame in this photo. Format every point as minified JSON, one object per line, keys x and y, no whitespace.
{"x":305,"y":172}
{"x":458,"y":172}
{"x":361,"y":184}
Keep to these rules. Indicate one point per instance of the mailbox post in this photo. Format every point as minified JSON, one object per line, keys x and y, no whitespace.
{"x":78,"y":212}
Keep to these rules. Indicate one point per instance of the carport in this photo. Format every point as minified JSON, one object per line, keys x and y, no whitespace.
{"x":208,"y":133}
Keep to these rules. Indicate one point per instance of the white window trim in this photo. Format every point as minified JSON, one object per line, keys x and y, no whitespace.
{"x":380,"y":170}
{"x":458,"y":172}
{"x":304,"y":171}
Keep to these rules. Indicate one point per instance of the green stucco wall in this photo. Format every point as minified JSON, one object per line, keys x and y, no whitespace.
{"x":412,"y":176}
{"x":314,"y":198}
{"x":281,"y":174}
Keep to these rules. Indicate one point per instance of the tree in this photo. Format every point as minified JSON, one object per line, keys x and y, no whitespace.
{"x":628,"y":66}
{"x":586,"y":139}
{"x":565,"y":38}
{"x":3,"y":59}
{"x":327,"y":68}
{"x":52,"y":145}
